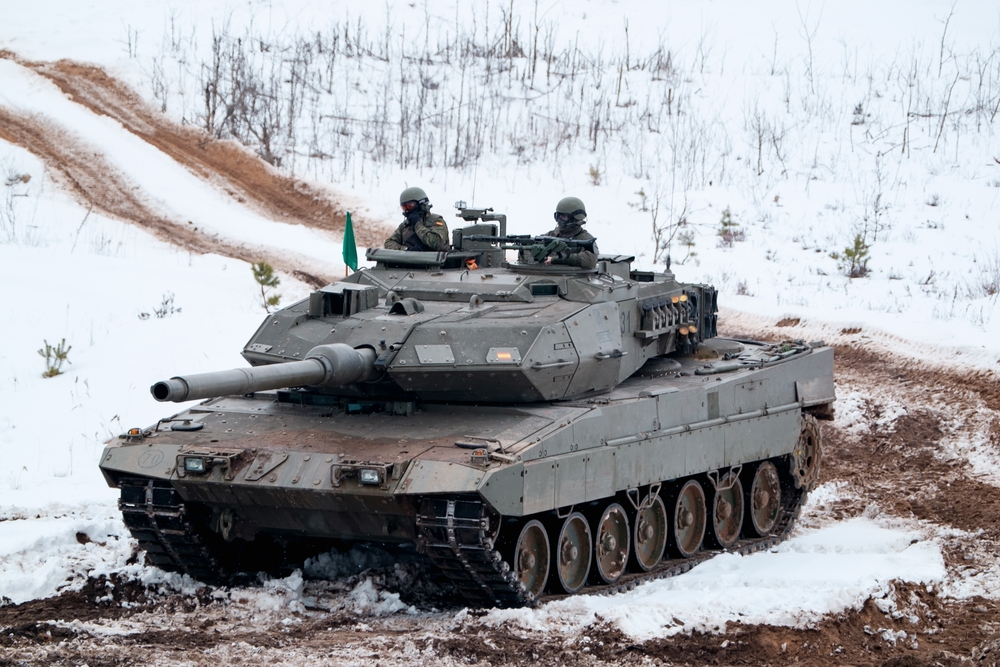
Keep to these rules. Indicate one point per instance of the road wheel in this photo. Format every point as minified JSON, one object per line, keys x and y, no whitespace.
{"x":650,"y":534}
{"x":612,"y":544}
{"x":764,"y":500}
{"x":531,"y":558}
{"x":689,"y":519}
{"x":573,"y":553}
{"x":727,"y":511}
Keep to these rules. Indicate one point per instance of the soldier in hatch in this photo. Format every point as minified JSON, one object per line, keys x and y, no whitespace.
{"x":570,"y":216}
{"x":422,"y":230}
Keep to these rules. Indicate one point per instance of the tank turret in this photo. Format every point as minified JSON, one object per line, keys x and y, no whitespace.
{"x":468,"y":326}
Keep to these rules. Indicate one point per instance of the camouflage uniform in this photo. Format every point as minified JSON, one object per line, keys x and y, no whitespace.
{"x":430,"y":234}
{"x":585,"y":259}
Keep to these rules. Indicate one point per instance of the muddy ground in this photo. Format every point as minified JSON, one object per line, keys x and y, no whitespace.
{"x":901,"y":470}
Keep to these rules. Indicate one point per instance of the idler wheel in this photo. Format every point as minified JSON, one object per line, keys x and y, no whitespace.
{"x":531,"y":558}
{"x":764,"y":500}
{"x":807,"y":455}
{"x":650,"y":534}
{"x":727,"y":511}
{"x":612,"y":544}
{"x":573,"y":553}
{"x":689,"y":519}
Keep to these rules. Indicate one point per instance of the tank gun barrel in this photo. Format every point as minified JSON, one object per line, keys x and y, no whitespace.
{"x":325,"y":366}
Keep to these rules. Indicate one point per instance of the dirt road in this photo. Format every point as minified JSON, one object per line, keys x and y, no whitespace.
{"x":81,"y":169}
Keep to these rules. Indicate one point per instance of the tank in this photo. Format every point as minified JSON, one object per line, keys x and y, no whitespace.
{"x":532,"y":430}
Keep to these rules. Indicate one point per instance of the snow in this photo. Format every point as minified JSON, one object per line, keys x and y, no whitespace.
{"x":57,"y":549}
{"x":73,"y":275}
{"x":815,"y":573}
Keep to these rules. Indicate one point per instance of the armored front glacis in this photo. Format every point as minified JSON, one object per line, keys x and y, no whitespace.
{"x":529,"y":428}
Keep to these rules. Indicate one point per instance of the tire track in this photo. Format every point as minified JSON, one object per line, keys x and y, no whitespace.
{"x":83,"y":171}
{"x":229,"y":165}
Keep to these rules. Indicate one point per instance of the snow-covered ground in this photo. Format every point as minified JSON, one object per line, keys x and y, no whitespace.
{"x":811,"y":124}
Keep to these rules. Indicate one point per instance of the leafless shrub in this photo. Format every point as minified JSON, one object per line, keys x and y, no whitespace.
{"x":14,"y":225}
{"x":985,"y":281}
{"x":346,"y":101}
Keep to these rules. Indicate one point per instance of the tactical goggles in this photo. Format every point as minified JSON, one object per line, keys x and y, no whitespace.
{"x":408,"y":206}
{"x":566,"y":218}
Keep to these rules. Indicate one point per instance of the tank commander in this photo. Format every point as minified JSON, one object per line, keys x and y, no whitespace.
{"x":421,"y":230}
{"x":570,"y":217}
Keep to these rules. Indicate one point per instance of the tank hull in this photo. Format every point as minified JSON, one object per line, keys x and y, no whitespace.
{"x":273,"y":466}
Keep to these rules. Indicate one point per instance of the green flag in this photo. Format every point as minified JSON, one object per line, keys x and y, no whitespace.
{"x":350,"y":249}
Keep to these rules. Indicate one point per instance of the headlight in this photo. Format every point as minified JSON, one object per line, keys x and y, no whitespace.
{"x":194,"y":464}
{"x":369,"y":476}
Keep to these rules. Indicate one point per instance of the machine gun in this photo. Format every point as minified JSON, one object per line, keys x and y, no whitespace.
{"x":540,"y":247}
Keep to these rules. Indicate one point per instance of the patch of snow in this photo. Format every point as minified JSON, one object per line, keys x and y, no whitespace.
{"x":366,"y":600}
{"x":335,"y":565}
{"x":52,"y":552}
{"x":815,"y":573}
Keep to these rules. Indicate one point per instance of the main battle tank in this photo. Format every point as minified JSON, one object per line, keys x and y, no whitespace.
{"x":532,"y":429}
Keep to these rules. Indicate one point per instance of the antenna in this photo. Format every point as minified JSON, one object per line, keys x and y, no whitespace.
{"x":475,"y":175}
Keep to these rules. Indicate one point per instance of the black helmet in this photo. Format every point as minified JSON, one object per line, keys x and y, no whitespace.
{"x":570,"y":210}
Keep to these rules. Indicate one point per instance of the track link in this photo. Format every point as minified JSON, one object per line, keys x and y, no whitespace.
{"x":455,"y":534}
{"x":156,"y":516}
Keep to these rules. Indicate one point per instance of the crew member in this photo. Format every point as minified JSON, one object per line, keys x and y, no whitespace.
{"x":570,"y":217}
{"x":421,"y":230}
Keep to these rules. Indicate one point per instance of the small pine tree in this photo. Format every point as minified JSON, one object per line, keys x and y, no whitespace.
{"x":853,"y":262}
{"x":54,"y":357}
{"x":264,"y":274}
{"x":856,"y":257}
{"x":729,"y":230}
{"x":686,"y":239}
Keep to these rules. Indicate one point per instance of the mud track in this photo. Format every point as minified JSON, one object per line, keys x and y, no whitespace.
{"x":896,"y":468}
{"x":96,"y":184}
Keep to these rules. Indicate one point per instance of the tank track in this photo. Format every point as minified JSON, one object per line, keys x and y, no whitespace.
{"x":156,"y":516}
{"x":454,"y":533}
